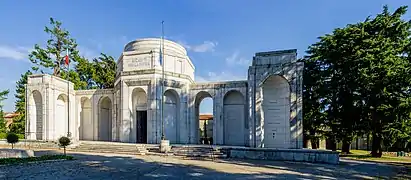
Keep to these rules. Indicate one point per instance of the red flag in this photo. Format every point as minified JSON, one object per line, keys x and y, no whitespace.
{"x":67,"y":59}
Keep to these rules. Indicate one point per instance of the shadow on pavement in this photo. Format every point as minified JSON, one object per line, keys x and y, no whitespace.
{"x":108,"y":166}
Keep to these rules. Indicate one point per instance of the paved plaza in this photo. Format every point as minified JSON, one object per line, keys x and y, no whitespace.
{"x":111,"y":166}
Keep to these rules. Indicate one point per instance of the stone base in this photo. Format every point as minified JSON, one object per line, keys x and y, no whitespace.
{"x":165,"y":146}
{"x":305,"y":155}
{"x":16,"y":153}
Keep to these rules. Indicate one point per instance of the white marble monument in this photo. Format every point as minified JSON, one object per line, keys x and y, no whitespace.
{"x":263,"y":111}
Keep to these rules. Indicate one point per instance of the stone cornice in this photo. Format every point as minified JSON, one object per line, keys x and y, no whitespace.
{"x":153,"y":71}
{"x":168,"y":83}
{"x":94,"y":91}
{"x":174,"y":84}
{"x":218,"y":85}
{"x":137,"y":82}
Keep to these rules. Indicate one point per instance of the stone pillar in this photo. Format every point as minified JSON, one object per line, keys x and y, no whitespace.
{"x":95,"y":108}
{"x":218,"y":123}
{"x":251,"y":106}
{"x":125,"y":113}
{"x":299,"y":71}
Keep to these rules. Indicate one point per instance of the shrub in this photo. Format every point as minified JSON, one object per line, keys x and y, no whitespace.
{"x":4,"y":135}
{"x":12,"y":139}
{"x":64,"y":141}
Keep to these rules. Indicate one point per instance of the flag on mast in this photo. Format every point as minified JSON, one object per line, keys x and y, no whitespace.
{"x":161,"y":55}
{"x":66,"y":58}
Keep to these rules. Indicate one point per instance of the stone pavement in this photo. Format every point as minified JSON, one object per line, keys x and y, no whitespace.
{"x":116,"y":166}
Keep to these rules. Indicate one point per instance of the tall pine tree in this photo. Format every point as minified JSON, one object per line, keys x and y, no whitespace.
{"x":51,"y":58}
{"x":3,"y":96}
{"x":20,"y":105}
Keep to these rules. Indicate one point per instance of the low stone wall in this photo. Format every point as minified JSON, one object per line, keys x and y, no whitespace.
{"x":30,"y":144}
{"x":16,"y":153}
{"x":304,"y":155}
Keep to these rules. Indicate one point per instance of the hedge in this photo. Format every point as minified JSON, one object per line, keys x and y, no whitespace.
{"x":33,"y":159}
{"x":4,"y":135}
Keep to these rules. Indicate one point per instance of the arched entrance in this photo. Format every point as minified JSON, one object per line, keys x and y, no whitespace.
{"x":234,"y":114}
{"x":276,"y":112}
{"x":139,"y":106}
{"x":204,"y":109}
{"x":86,"y":123}
{"x":171,"y":114}
{"x":36,"y":113}
{"x":60,"y":125}
{"x":105,"y":119}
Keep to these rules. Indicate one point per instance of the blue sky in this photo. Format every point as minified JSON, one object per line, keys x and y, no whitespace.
{"x":221,"y":36}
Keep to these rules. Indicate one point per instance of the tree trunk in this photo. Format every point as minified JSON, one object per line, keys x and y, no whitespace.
{"x":376,"y":145}
{"x":330,"y":144}
{"x":345,"y":147}
{"x":64,"y":150}
{"x":305,"y":144}
{"x":12,"y":146}
{"x":314,"y":143}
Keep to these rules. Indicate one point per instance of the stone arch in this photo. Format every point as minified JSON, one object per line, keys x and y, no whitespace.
{"x":105,"y":119}
{"x":275,"y":112}
{"x":234,"y":118}
{"x":86,"y":122}
{"x":61,"y":119}
{"x":171,"y":115}
{"x":267,"y":75}
{"x":36,"y":114}
{"x":139,"y":115}
{"x":198,"y":98}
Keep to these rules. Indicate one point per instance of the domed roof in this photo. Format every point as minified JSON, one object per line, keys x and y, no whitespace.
{"x":149,"y":44}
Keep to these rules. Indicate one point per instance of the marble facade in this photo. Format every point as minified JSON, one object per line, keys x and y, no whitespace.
{"x":265,"y":110}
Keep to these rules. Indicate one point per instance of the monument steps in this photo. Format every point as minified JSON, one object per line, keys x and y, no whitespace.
{"x":113,"y":147}
{"x":143,"y":149}
{"x":194,"y":151}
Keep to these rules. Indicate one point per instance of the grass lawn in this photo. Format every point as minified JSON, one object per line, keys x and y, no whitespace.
{"x":33,"y":159}
{"x":365,"y":155}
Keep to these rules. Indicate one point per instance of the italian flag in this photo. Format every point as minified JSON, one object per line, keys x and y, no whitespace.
{"x":66,"y":58}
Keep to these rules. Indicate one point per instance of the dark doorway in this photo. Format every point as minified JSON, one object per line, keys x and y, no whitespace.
{"x":141,"y":126}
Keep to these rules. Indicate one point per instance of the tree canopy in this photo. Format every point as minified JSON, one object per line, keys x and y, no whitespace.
{"x":357,"y":79}
{"x":84,"y":73}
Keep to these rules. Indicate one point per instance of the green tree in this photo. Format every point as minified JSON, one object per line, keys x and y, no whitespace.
{"x":385,"y":70}
{"x":85,"y":70}
{"x":12,"y":139}
{"x":18,"y":124}
{"x":64,"y":142}
{"x":51,"y":58}
{"x":363,"y":77}
{"x":104,"y":72}
{"x":3,"y":96}
{"x":313,"y":109}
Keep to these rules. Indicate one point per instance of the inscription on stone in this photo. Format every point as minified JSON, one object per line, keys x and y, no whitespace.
{"x":139,"y":62}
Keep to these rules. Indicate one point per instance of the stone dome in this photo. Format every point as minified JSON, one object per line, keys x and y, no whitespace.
{"x":148,"y":44}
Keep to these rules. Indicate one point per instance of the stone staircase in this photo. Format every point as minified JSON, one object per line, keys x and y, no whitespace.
{"x":113,"y":147}
{"x":198,"y":151}
{"x":149,"y":149}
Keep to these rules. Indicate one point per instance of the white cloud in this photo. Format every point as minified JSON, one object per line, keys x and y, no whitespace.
{"x":88,"y":53}
{"x":235,"y":59}
{"x":206,"y":46}
{"x":221,"y":76}
{"x":15,"y":53}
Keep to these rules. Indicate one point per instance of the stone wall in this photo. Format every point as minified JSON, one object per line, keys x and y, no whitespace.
{"x":265,"y":65}
{"x":304,"y":155}
{"x":43,"y":95}
{"x":217,"y":91}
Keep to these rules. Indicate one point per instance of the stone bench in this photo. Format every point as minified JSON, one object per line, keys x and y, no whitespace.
{"x":303,"y":155}
{"x":16,"y":153}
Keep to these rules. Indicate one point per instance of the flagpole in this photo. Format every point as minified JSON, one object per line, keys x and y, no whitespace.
{"x":68,"y":95}
{"x":163,"y":137}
